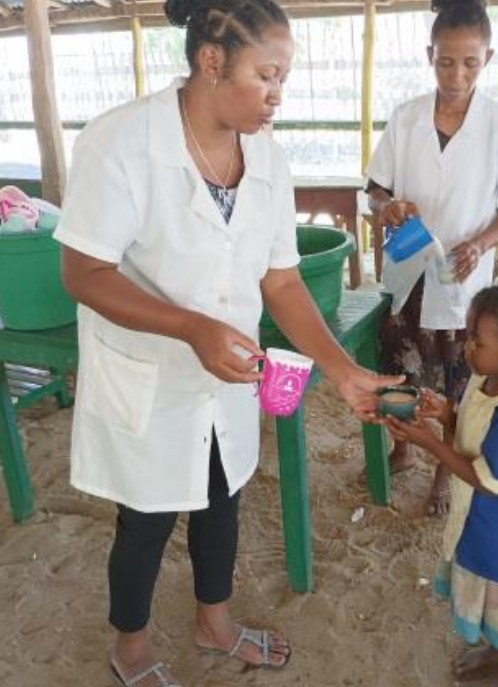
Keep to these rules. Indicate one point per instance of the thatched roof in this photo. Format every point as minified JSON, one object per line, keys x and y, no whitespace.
{"x":105,"y":15}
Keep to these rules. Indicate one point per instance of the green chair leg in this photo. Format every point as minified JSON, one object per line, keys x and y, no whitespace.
{"x":12,"y":456}
{"x":295,"y":500}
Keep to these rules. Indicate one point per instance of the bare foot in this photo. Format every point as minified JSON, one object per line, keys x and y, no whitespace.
{"x":401,"y":457}
{"x":133,"y":656}
{"x":215,"y":630}
{"x":440,"y":497}
{"x":477,"y":664}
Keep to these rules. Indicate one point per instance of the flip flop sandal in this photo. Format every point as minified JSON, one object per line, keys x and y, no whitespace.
{"x":261,"y":639}
{"x":157,"y":669}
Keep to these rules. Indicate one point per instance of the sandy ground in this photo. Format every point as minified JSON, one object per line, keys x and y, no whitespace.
{"x":371,"y":621}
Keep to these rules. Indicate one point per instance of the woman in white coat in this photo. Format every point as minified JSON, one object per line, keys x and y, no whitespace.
{"x":178,"y":222}
{"x":438,"y":158}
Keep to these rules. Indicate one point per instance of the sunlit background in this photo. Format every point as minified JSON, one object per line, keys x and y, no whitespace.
{"x":94,"y":72}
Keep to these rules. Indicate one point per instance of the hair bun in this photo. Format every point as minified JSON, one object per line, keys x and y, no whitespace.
{"x":455,"y":5}
{"x":178,"y":11}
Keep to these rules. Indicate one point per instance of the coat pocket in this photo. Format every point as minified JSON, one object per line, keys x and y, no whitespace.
{"x":120,"y":389}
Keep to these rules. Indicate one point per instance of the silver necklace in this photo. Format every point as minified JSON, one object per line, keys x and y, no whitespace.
{"x":222,"y":185}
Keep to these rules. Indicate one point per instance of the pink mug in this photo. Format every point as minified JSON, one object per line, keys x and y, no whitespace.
{"x":285,"y":375}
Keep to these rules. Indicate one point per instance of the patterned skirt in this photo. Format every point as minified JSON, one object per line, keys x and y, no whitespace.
{"x":428,"y":357}
{"x":474,"y":602}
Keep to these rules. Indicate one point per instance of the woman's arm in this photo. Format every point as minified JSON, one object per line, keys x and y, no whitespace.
{"x":296,"y":314}
{"x":388,"y":210}
{"x":469,"y":252}
{"x":378,"y":199}
{"x":489,"y":237}
{"x":100,"y":286}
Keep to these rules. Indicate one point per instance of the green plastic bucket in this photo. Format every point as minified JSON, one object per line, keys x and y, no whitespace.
{"x":31,"y":291}
{"x":323,"y":251}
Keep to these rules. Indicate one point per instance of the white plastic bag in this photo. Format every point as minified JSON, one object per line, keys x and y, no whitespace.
{"x":399,"y":278}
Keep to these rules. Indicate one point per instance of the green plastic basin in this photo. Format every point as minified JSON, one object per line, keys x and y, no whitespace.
{"x":31,"y":291}
{"x":323,"y":251}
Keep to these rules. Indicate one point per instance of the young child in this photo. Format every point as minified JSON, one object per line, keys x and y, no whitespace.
{"x":468,"y":570}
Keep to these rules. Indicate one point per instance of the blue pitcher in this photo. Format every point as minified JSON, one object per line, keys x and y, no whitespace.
{"x":403,"y":242}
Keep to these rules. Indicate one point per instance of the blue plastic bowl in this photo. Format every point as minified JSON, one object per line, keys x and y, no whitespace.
{"x":408,"y":239}
{"x":398,"y":401}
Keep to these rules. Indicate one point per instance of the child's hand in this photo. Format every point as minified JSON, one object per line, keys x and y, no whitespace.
{"x":435,"y":406}
{"x":418,"y":431}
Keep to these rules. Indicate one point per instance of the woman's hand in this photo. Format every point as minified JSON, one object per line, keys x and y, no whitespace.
{"x":215,"y":342}
{"x":418,"y":431}
{"x":435,"y":406}
{"x":467,"y":258}
{"x":395,"y":212}
{"x":358,"y":388}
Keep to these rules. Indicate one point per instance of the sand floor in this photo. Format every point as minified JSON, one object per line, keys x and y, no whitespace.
{"x":371,"y":622}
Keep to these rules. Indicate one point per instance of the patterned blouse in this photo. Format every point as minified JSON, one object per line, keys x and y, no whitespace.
{"x":224,"y":198}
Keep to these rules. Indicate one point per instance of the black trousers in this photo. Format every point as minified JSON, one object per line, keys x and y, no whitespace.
{"x":139,"y":545}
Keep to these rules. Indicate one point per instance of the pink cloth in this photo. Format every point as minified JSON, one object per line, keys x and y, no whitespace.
{"x":14,"y":202}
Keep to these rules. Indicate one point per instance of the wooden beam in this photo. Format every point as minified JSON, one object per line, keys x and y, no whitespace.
{"x":292,"y":6}
{"x":104,"y":15}
{"x":115,"y":15}
{"x":299,"y":11}
{"x":310,"y":4}
{"x":47,"y":122}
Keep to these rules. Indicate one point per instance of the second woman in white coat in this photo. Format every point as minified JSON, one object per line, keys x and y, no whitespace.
{"x":438,"y":158}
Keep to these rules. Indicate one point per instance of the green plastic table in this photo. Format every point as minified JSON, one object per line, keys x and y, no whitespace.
{"x":56,"y":350}
{"x":355,"y":326}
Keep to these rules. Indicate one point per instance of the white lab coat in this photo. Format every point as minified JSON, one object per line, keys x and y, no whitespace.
{"x":456,"y":192}
{"x":145,"y":406}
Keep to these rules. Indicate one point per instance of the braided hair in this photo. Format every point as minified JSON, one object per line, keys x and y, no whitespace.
{"x":231,"y":24}
{"x":454,"y":14}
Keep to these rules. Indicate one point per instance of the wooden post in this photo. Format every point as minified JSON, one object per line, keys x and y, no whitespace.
{"x":138,"y":56}
{"x":366,"y":97}
{"x":47,"y":123}
{"x":367,"y":84}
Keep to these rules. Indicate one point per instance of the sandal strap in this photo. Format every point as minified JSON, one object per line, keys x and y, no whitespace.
{"x":157,"y":669}
{"x":257,"y":637}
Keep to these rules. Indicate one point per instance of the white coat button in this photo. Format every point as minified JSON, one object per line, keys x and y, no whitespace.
{"x":223,"y":300}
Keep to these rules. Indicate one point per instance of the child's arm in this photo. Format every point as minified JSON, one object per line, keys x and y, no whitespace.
{"x":438,"y":407}
{"x":459,"y":464}
{"x":420,"y":433}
